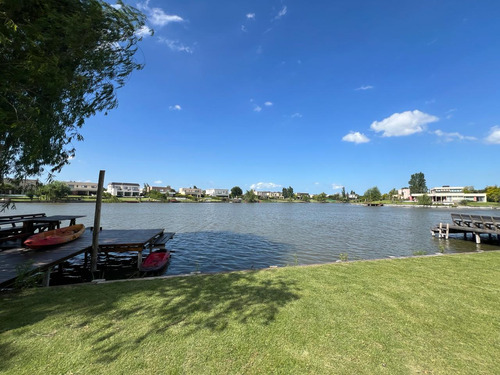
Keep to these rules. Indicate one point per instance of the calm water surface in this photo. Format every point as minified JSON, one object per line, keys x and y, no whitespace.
{"x":212,"y":237}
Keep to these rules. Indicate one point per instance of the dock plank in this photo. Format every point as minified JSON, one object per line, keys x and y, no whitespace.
{"x":42,"y":259}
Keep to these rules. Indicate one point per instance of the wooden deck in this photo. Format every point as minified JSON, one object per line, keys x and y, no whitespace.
{"x":109,"y":240}
{"x":464,"y":224}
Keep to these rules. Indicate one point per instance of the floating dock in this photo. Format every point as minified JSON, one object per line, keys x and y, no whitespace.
{"x":12,"y":260}
{"x":475,"y":225}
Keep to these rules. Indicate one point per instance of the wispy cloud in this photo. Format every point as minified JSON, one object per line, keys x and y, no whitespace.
{"x":157,"y":182}
{"x":243,"y":28}
{"x":494,"y":136}
{"x":251,"y":16}
{"x":364,"y":87}
{"x":449,"y":113}
{"x":175,"y":45}
{"x":296,"y":115}
{"x":402,"y":124}
{"x":264,"y":185}
{"x":454,"y":136}
{"x":157,"y":16}
{"x":281,"y":13}
{"x":176,"y":107}
{"x":268,"y":104}
{"x":257,"y":108}
{"x":355,"y":137}
{"x":337,"y":186}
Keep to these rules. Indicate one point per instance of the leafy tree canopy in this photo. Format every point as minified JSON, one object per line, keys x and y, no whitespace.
{"x":61,"y":61}
{"x":250,"y":196}
{"x":373,"y":194}
{"x":320,"y":197}
{"x":417,"y":183}
{"x":493,"y":193}
{"x":236,"y":192}
{"x":54,"y":191}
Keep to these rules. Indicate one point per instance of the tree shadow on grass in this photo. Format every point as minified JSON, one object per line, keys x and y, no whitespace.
{"x":113,"y":319}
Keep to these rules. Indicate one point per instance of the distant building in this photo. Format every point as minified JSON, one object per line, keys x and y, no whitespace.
{"x":404,"y":194}
{"x":302,"y":195}
{"x":222,"y":193}
{"x":190,"y":191}
{"x":20,"y":186}
{"x":167,"y":190}
{"x":452,"y":194}
{"x":124,"y":189}
{"x":82,"y":188}
{"x":269,"y":194}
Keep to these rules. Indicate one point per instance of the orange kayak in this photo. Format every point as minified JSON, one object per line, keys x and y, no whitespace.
{"x":55,"y":237}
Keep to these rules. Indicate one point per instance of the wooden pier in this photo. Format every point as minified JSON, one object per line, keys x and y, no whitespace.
{"x":476,"y":225}
{"x":109,"y":240}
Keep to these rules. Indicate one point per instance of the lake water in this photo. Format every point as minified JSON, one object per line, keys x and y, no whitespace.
{"x":213,"y":237}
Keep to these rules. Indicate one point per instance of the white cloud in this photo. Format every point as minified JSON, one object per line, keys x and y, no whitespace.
{"x":281,"y":13}
{"x":296,"y":115}
{"x":176,"y":107}
{"x":243,"y":28}
{"x":356,"y":137}
{"x":405,"y":123}
{"x":364,"y":87}
{"x":264,"y":185}
{"x":257,"y":108}
{"x":143,"y":31}
{"x":494,"y":136}
{"x":337,"y":186}
{"x":449,"y":137}
{"x":157,"y":16}
{"x":268,"y":104}
{"x":449,"y":113}
{"x":175,"y":45}
{"x":251,"y":16}
{"x":116,"y":6}
{"x":157,"y":182}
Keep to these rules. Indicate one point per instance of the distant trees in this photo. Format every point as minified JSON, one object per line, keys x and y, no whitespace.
{"x":417,"y":183}
{"x":236,"y":192}
{"x":320,"y":197}
{"x":493,"y":193}
{"x":54,"y":191}
{"x":288,"y":192}
{"x":424,"y":200}
{"x":250,"y":196}
{"x":373,"y":194}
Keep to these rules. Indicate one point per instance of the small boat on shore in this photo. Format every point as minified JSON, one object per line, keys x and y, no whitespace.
{"x":55,"y":237}
{"x":155,"y":261}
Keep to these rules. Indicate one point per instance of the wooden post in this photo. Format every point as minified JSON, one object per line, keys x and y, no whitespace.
{"x":447,"y":231}
{"x":478,"y":238}
{"x":46,"y":277}
{"x":97,"y":222}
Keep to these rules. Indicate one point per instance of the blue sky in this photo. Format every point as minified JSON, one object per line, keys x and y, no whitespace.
{"x":314,"y":95}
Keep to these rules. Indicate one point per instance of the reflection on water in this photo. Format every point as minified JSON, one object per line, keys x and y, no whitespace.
{"x":221,"y":237}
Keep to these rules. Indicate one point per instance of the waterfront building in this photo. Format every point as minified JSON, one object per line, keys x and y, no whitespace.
{"x":190,"y":191}
{"x":124,"y":189}
{"x":404,"y":194}
{"x":222,"y":193}
{"x":302,"y":195}
{"x":13,"y":186}
{"x":82,"y":188}
{"x":451,"y":194}
{"x":167,"y":190}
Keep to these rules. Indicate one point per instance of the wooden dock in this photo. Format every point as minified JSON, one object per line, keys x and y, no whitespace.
{"x":109,"y":240}
{"x":475,"y":225}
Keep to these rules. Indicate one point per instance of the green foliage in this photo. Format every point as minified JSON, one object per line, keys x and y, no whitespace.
{"x":250,"y":196}
{"x":61,"y":62}
{"x":54,"y":191}
{"x":493,"y":193}
{"x":154,"y":194}
{"x":236,"y":192}
{"x":419,"y":252}
{"x":288,"y":192}
{"x":373,"y":194}
{"x":320,"y":197}
{"x":424,"y":200}
{"x":417,"y":183}
{"x":344,"y":257}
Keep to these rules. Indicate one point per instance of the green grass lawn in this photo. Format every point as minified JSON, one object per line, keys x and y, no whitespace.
{"x":426,"y":315}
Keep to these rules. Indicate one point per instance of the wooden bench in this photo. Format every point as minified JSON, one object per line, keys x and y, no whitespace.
{"x":456,"y":219}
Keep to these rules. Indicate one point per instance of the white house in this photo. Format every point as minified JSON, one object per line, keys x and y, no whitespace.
{"x":190,"y":191}
{"x":82,"y":188}
{"x":124,"y":189}
{"x":452,"y":194}
{"x":222,"y":193}
{"x":404,"y":194}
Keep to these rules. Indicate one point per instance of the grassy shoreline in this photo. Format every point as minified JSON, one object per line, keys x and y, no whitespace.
{"x":434,"y":315}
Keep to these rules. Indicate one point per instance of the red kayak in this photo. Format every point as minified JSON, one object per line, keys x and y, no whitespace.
{"x":155,"y":261}
{"x":55,"y":237}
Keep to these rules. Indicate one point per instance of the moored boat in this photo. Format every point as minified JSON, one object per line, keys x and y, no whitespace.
{"x":55,"y":237}
{"x":155,"y":261}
